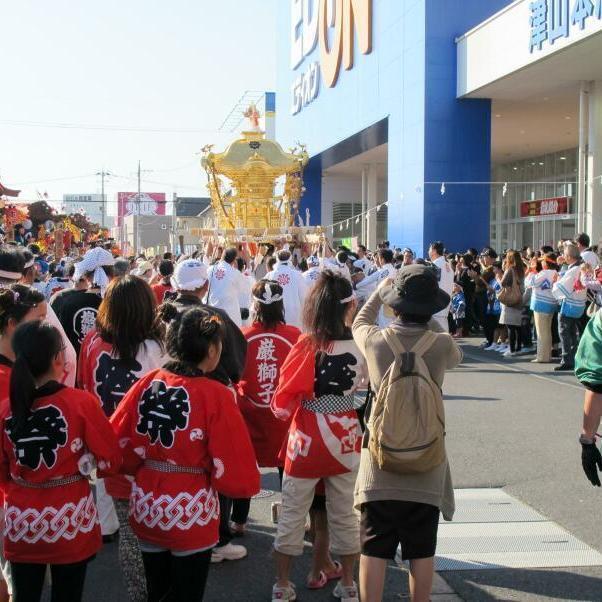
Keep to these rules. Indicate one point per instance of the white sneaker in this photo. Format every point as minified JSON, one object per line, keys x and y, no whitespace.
{"x":492,"y":347}
{"x":501,"y":348}
{"x":284,"y":593}
{"x":509,"y":353}
{"x":228,"y":552}
{"x":483,"y":345}
{"x":346,"y":593}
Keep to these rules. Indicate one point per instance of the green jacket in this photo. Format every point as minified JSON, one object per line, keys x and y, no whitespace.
{"x":588,"y":361}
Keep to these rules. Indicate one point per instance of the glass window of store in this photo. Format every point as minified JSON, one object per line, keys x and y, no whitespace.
{"x":550,"y":176}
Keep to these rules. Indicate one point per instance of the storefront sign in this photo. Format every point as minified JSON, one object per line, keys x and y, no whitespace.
{"x":551,"y":20}
{"x":313,"y":21}
{"x":543,"y":207}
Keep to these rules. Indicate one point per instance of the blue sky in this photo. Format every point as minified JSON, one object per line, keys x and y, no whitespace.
{"x":177,"y":64}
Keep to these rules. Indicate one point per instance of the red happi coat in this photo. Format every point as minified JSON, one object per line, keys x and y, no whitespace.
{"x":57,"y":525}
{"x":187,"y":421}
{"x":266,"y":352}
{"x":320,"y":444}
{"x":103,"y":375}
{"x":6,"y":367}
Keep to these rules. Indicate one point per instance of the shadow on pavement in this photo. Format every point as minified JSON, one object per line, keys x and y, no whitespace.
{"x":469,"y":398}
{"x":526,"y":585}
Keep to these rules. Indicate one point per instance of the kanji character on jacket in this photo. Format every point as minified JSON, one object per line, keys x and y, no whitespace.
{"x":46,"y":522}
{"x":266,"y":353}
{"x":190,"y":423}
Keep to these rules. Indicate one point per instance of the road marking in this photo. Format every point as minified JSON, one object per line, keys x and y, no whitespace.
{"x":520,"y":370}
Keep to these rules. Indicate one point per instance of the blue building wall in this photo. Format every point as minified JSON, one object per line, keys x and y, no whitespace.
{"x":409,"y":79}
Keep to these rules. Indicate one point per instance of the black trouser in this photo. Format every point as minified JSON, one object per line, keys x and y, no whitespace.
{"x":526,"y":327}
{"x":225,"y":509}
{"x":176,"y":578}
{"x":240,"y":510}
{"x":555,"y":335}
{"x":480,"y":307}
{"x":490,"y":324}
{"x":67,"y":581}
{"x":568,"y":329}
{"x":516,"y":338}
{"x":242,"y":506}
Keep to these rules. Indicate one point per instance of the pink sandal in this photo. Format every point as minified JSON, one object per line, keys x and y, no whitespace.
{"x":337,"y":573}
{"x":318,"y":583}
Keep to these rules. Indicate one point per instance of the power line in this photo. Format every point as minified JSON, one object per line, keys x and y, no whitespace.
{"x":104,"y":127}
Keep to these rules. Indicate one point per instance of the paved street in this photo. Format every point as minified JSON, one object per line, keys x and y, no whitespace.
{"x":510,"y":424}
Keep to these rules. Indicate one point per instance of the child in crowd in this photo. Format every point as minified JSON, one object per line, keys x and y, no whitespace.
{"x":493,"y":309}
{"x":184,"y":440}
{"x":458,"y":310}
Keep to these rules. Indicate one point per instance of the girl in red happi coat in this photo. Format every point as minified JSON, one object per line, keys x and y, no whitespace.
{"x":51,"y":437}
{"x":316,"y":388}
{"x":18,"y":304}
{"x":125,"y":345}
{"x":269,"y":342}
{"x":184,"y":440}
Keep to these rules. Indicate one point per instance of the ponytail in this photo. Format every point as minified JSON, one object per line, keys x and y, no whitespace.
{"x":35,"y":344}
{"x":22,"y":393}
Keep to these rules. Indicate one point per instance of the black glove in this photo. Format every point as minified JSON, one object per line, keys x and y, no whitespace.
{"x":591,"y":460}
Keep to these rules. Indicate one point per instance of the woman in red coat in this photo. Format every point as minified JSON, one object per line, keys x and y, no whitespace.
{"x":125,"y":345}
{"x":52,"y":436}
{"x":184,"y":440}
{"x":18,"y":304}
{"x":269,"y":342}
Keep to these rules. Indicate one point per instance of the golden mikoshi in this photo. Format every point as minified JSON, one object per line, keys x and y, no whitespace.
{"x":255,"y":186}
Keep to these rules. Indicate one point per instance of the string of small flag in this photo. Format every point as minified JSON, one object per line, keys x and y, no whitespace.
{"x":356,"y":219}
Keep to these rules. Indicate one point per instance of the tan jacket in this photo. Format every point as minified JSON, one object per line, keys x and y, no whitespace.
{"x":433,"y":487}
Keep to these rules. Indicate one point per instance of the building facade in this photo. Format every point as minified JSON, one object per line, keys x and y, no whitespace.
{"x":93,"y":205}
{"x":475,"y":121}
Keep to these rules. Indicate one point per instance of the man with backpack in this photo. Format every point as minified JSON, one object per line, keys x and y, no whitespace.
{"x":404,"y":479}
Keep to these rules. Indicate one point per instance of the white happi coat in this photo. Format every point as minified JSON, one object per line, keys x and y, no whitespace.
{"x":295,"y":289}
{"x":369,"y":284}
{"x":446,"y":284}
{"x":311,"y":275}
{"x":226,"y":284}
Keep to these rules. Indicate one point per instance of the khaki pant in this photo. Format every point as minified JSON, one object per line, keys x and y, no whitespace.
{"x":343,"y":522}
{"x":543,"y":326}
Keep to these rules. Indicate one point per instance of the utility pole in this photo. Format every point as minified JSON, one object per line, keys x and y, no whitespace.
{"x":103,"y":174}
{"x":137,"y":214}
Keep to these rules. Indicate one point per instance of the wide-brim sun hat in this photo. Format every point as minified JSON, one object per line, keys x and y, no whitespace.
{"x":416,"y":291}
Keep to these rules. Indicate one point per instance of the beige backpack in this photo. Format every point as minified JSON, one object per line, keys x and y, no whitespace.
{"x":407,"y":419}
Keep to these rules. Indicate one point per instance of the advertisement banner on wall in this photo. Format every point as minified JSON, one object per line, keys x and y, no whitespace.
{"x":148,"y":203}
{"x":543,"y":207}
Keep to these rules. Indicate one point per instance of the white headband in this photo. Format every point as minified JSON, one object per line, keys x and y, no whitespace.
{"x":348,"y":299}
{"x":11,"y":275}
{"x":268,"y":298}
{"x":29,"y":264}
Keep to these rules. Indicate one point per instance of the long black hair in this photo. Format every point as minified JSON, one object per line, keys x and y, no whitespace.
{"x":323,"y":313}
{"x":35,"y":345}
{"x":190,"y":333}
{"x":126,"y":317}
{"x":16,"y":302}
